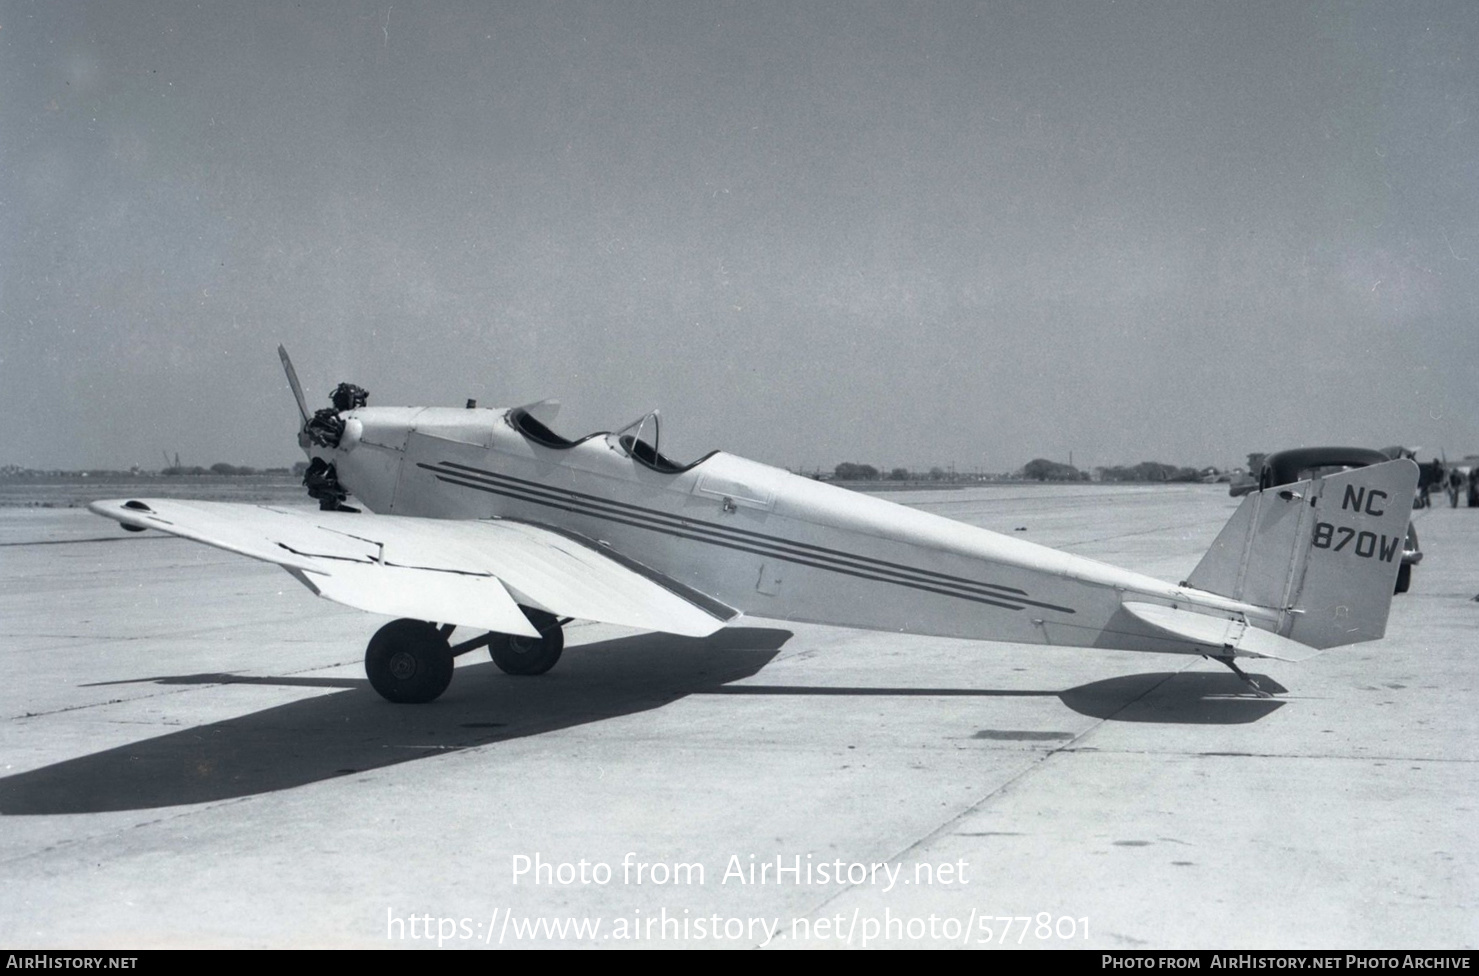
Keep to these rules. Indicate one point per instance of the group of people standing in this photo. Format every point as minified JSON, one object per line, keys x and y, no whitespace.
{"x":1458,"y":482}
{"x":1455,"y":480}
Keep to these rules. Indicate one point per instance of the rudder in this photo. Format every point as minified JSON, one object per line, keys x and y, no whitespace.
{"x":1323,"y":552}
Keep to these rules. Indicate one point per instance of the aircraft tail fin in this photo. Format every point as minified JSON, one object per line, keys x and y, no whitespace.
{"x":1325,"y":553}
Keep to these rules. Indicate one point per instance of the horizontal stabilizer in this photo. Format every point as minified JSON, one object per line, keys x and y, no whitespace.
{"x":473,"y":573}
{"x":1218,"y":635}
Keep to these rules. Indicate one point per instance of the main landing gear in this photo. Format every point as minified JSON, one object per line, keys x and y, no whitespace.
{"x":516,"y":654}
{"x":410,"y":661}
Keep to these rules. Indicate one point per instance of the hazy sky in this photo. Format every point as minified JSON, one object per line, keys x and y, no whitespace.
{"x":809,"y":232}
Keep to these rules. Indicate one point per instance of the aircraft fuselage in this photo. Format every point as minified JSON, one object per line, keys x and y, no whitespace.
{"x":756,"y":538}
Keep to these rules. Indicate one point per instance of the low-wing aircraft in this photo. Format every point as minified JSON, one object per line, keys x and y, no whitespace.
{"x":488,"y":519}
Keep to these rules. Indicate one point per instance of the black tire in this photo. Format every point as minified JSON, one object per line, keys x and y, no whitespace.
{"x":409,"y":662}
{"x":515,"y":654}
{"x":1404,"y":578}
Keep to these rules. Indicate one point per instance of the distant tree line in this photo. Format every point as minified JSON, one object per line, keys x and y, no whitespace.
{"x":1042,"y":469}
{"x":1151,"y":471}
{"x":219,"y":468}
{"x":177,"y":470}
{"x":849,"y":471}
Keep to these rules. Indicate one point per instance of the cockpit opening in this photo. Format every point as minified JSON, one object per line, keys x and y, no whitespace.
{"x":523,"y":422}
{"x":637,"y":440}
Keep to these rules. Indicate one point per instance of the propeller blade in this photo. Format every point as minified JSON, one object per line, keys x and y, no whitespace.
{"x":287,"y":365}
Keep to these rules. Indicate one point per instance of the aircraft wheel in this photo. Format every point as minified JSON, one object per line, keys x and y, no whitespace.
{"x":516,"y":654}
{"x":1404,"y":578}
{"x":408,"y":662}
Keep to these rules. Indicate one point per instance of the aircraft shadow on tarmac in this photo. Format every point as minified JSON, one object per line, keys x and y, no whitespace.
{"x":1176,"y":698}
{"x":1169,"y":697}
{"x":355,"y":730}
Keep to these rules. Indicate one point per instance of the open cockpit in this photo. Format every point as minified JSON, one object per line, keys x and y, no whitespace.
{"x":523,"y":420}
{"x":638,"y":440}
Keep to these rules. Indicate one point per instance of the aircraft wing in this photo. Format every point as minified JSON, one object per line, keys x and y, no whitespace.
{"x":473,"y":573}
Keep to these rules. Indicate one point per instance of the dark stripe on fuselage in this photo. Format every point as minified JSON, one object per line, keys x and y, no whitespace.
{"x":735,"y":534}
{"x":507,"y":493}
{"x":741,"y":540}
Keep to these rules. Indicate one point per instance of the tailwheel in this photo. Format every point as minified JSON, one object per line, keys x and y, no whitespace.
{"x":516,"y":654}
{"x":409,"y":661}
{"x":1257,"y":688}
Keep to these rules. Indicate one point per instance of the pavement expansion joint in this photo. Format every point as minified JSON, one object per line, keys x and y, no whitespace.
{"x":1036,"y":761}
{"x":1311,"y":756}
{"x":1131,"y":535}
{"x":228,"y":678}
{"x":70,"y":542}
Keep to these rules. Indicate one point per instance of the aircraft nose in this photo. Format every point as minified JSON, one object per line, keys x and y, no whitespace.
{"x":354,"y":429}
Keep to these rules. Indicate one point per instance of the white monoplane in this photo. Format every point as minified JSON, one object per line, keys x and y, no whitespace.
{"x":487,"y":518}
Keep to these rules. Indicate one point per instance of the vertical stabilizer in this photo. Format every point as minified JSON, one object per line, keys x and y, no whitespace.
{"x":1324,"y":552}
